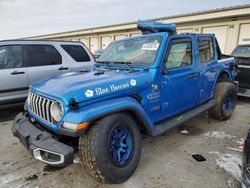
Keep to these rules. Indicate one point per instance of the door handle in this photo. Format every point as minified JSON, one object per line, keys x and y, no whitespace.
{"x":63,"y":68}
{"x":213,"y":70}
{"x":192,"y":75}
{"x":17,"y":72}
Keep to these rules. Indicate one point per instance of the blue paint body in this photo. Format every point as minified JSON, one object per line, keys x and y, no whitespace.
{"x":148,"y":93}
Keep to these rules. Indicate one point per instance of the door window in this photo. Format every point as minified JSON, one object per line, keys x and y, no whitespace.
{"x":40,"y":55}
{"x":3,"y":52}
{"x":10,"y":57}
{"x":206,"y":50}
{"x":180,"y":55}
{"x":77,"y":52}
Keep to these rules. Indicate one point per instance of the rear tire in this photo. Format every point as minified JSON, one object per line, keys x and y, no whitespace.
{"x":110,"y":151}
{"x":226,"y":98}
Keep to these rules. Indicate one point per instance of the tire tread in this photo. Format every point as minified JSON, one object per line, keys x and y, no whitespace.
{"x":94,"y":158}
{"x":87,"y":147}
{"x":220,"y":90}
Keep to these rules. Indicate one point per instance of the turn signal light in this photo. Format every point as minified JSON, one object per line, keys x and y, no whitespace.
{"x":81,"y":126}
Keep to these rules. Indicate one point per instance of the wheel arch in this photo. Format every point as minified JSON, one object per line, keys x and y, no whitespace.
{"x":141,"y":122}
{"x":223,"y":76}
{"x":126,"y":104}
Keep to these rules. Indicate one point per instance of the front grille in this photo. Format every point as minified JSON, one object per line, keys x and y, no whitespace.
{"x":40,"y":106}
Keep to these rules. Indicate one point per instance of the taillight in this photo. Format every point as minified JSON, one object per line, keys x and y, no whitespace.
{"x":93,"y":56}
{"x":89,"y":52}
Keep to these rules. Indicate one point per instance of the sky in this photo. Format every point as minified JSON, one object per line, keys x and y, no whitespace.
{"x":25,"y":18}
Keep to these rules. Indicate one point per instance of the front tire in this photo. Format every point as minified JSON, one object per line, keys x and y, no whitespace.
{"x":226,"y":98}
{"x":110,"y":151}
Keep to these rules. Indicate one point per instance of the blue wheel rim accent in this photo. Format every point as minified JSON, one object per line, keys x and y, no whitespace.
{"x":120,"y":145}
{"x":229,"y":103}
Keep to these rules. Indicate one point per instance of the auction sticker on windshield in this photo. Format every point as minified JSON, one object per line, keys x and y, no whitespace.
{"x":150,"y":46}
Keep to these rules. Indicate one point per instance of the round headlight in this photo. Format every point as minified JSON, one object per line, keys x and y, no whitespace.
{"x":56,"y":111}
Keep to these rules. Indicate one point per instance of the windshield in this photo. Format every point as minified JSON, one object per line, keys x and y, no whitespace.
{"x":138,"y":51}
{"x":242,"y":51}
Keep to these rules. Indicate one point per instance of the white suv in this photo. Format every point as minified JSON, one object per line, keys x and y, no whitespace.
{"x":25,"y":61}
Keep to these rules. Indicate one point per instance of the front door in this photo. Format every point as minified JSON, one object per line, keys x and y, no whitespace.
{"x":13,"y":74}
{"x":179,"y":85}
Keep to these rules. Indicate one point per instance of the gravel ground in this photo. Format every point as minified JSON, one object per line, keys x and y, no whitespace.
{"x":166,"y":161}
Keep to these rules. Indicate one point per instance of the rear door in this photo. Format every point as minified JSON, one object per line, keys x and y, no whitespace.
{"x":44,"y":61}
{"x":78,"y":57}
{"x":207,"y":67}
{"x":13,"y":74}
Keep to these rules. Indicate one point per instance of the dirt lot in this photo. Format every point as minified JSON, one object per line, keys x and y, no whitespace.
{"x":166,"y":161}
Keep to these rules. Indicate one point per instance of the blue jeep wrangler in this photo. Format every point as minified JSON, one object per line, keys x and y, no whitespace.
{"x":149,"y":83}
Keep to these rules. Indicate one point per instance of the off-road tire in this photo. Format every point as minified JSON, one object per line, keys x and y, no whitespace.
{"x":222,"y":91}
{"x":94,"y":154}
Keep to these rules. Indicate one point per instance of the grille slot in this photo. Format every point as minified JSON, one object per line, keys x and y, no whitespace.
{"x":40,"y":106}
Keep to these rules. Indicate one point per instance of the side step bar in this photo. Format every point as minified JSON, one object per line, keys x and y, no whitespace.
{"x":177,"y":120}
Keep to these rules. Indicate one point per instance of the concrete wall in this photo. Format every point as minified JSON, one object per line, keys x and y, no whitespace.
{"x":230,"y":25}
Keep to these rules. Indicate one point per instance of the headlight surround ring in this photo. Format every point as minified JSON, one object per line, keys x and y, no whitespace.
{"x":57,"y":111}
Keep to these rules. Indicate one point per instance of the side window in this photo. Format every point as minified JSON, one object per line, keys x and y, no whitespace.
{"x":40,"y":55}
{"x":3,"y":52}
{"x":206,"y":49}
{"x":77,"y":52}
{"x":180,"y":55}
{"x":10,"y":57}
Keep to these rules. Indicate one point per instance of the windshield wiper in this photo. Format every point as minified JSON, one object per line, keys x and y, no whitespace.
{"x":125,"y":63}
{"x":117,"y":62}
{"x":104,"y":62}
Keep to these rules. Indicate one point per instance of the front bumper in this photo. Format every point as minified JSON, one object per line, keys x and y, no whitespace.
{"x":244,"y":92}
{"x":41,"y":143}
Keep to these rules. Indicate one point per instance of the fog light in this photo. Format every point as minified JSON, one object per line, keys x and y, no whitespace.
{"x":49,"y":157}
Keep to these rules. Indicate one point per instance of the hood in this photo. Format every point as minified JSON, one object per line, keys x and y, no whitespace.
{"x":90,"y":85}
{"x":242,"y":60}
